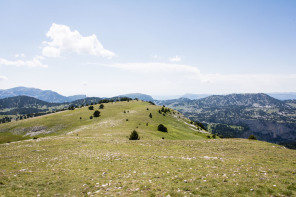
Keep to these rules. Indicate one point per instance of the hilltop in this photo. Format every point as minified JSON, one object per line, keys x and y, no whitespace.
{"x":120,"y":117}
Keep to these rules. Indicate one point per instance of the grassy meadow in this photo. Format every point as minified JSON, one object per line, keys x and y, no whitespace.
{"x":78,"y":156}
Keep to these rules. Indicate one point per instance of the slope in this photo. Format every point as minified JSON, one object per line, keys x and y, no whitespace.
{"x":117,"y":120}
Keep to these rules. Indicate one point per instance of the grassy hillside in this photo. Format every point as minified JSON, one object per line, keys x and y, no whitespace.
{"x":117,"y":120}
{"x":93,"y":157}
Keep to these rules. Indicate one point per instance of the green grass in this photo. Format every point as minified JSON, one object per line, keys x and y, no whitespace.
{"x":6,"y":137}
{"x":112,"y":123}
{"x":75,"y":166}
{"x":94,"y":157}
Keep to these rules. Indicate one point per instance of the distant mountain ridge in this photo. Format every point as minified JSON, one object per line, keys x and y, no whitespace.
{"x":23,"y":101}
{"x":27,"y":105}
{"x":242,"y":115}
{"x":44,"y":95}
{"x":246,"y":100}
{"x":195,"y":96}
{"x":143,"y":97}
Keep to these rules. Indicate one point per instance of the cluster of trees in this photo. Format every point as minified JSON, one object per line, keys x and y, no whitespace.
{"x":164,"y":110}
{"x":227,"y":131}
{"x":199,"y":124}
{"x":5,"y":119}
{"x":25,"y":116}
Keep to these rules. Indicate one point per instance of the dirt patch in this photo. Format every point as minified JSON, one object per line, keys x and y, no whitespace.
{"x":109,"y":123}
{"x":77,"y":130}
{"x":37,"y":130}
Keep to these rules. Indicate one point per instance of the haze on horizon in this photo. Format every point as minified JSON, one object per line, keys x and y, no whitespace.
{"x":107,"y":48}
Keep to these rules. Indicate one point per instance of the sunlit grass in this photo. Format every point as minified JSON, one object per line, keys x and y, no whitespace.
{"x":94,"y":157}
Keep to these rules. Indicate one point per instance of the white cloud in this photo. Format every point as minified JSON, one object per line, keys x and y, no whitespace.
{"x":35,"y":62}
{"x":155,"y":56}
{"x":19,"y":55}
{"x":169,"y":78}
{"x":175,"y":59}
{"x":65,"y":40}
{"x":51,"y":52}
{"x":2,"y":78}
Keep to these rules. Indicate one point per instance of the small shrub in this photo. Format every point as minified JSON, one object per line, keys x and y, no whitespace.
{"x":97,"y":113}
{"x":91,"y":107}
{"x":162,"y":138}
{"x":252,"y":137}
{"x":80,"y":118}
{"x":214,"y":136}
{"x":147,"y":109}
{"x":208,"y":136}
{"x":126,"y":119}
{"x":147,"y":124}
{"x":150,"y":115}
{"x":91,"y":117}
{"x":162,"y":128}
{"x":35,"y":138}
{"x":101,"y":106}
{"x":134,"y":135}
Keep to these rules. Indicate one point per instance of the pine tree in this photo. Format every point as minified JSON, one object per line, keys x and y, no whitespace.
{"x":134,"y":135}
{"x":97,"y":113}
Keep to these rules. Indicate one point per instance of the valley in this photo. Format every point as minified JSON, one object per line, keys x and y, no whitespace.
{"x":267,"y":118}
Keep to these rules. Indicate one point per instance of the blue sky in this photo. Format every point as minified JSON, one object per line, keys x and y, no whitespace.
{"x":106,"y":48}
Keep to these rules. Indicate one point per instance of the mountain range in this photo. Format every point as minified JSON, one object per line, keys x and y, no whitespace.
{"x":54,"y":97}
{"x":44,"y":95}
{"x":233,"y":115}
{"x":242,"y":115}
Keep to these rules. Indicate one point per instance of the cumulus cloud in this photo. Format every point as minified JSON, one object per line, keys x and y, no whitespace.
{"x":35,"y":62}
{"x":2,"y":78}
{"x":65,"y":40}
{"x":175,"y":59}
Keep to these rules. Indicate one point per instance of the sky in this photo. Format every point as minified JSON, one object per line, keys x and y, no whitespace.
{"x":156,"y":47}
